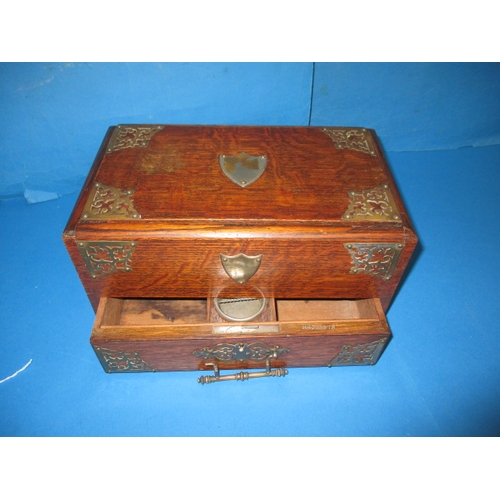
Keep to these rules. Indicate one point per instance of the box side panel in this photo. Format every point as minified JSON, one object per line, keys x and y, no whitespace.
{"x":87,"y":186}
{"x":405,"y":218}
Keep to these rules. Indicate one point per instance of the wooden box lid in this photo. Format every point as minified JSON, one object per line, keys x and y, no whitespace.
{"x":177,"y":175}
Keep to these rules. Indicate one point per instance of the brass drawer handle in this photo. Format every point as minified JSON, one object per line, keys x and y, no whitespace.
{"x":274,"y":372}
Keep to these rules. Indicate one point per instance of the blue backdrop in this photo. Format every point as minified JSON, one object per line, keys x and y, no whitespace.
{"x":439,"y":376}
{"x":53,"y":115}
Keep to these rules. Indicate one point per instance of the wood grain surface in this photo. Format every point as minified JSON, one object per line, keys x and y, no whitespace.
{"x":178,"y":213}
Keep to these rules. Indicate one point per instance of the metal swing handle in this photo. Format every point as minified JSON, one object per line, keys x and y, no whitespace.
{"x":269,"y":372}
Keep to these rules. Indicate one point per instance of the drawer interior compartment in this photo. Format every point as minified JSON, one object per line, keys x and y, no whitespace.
{"x":153,"y":312}
{"x":325,"y":310}
{"x":182,"y":312}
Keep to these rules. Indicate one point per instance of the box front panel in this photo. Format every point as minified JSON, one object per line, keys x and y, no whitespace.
{"x":236,"y":353}
{"x":241,"y":267}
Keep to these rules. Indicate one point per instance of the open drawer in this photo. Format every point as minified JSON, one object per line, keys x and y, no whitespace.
{"x":135,"y":335}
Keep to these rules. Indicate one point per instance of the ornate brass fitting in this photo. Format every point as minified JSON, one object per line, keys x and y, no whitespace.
{"x":240,"y":267}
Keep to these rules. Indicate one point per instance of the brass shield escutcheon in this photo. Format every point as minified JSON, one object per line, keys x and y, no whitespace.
{"x":243,"y":169}
{"x":240,"y":267}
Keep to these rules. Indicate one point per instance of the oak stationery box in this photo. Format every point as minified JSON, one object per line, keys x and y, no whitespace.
{"x":239,"y":247}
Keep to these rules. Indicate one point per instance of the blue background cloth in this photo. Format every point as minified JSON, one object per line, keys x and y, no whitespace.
{"x":440,"y":127}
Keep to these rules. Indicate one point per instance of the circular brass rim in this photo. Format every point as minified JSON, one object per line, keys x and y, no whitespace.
{"x":225,"y":315}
